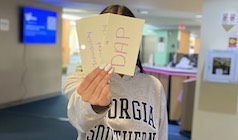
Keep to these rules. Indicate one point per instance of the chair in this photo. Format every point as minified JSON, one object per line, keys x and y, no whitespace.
{"x":187,"y":105}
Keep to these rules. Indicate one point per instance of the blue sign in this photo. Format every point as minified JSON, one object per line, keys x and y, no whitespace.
{"x":39,"y":26}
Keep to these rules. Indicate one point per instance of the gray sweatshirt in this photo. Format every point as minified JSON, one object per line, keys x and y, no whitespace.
{"x":138,"y":110}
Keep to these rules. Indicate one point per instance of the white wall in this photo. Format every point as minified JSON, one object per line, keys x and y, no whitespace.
{"x":27,"y":72}
{"x":216,"y":105}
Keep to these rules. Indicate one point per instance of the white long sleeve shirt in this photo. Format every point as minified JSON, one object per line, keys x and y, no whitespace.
{"x":138,"y":110}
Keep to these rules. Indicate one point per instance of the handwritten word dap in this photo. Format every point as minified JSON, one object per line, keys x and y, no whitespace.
{"x":119,"y":59}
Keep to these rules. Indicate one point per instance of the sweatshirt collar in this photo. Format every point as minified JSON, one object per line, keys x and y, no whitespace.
{"x":126,"y":77}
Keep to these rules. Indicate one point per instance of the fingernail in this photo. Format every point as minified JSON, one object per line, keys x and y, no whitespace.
{"x":108,"y":67}
{"x":111,"y":70}
{"x":102,"y":66}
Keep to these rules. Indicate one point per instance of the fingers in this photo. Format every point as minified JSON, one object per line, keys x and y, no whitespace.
{"x":100,"y":80}
{"x":103,"y":82}
{"x":98,"y":91}
{"x":105,"y":96}
{"x":95,"y":88}
{"x":90,"y":78}
{"x":98,"y":83}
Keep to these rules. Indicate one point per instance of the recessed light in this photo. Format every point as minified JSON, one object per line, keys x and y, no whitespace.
{"x":70,"y":17}
{"x":198,"y":16}
{"x":73,"y":10}
{"x":143,"y":12}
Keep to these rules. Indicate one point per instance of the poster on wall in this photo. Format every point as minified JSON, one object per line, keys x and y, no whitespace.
{"x":232,"y":41}
{"x":221,"y":66}
{"x":4,"y":25}
{"x":161,"y":45}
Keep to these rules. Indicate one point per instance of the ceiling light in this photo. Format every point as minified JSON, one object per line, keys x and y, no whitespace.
{"x":73,"y":10}
{"x":198,"y":16}
{"x":143,"y":12}
{"x":70,"y":17}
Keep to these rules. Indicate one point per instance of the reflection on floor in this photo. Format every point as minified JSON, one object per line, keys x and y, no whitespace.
{"x":46,"y":120}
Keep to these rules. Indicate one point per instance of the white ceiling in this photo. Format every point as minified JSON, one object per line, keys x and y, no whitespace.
{"x":162,"y":13}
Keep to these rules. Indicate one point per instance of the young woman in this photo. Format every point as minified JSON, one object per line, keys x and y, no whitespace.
{"x":126,"y":108}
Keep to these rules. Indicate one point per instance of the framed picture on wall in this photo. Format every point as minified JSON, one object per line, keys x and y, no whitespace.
{"x":221,"y":66}
{"x":161,"y":45}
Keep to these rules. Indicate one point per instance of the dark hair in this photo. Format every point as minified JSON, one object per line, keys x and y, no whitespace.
{"x":122,"y":10}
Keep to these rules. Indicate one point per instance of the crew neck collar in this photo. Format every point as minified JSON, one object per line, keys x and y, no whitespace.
{"x":126,"y":77}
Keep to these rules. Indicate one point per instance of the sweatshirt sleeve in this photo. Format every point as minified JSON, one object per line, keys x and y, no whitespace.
{"x":163,"y":125}
{"x":80,"y":113}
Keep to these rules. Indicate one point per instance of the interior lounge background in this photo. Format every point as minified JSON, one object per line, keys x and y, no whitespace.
{"x":31,"y":72}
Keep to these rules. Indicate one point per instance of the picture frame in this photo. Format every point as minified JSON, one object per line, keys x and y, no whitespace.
{"x":221,"y":66}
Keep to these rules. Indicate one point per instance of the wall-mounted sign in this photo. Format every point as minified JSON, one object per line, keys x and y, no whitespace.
{"x":229,"y":20}
{"x":4,"y":25}
{"x":182,"y":27}
{"x":232,"y":41}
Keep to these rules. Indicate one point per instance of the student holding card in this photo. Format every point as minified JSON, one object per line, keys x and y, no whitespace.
{"x":104,"y":105}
